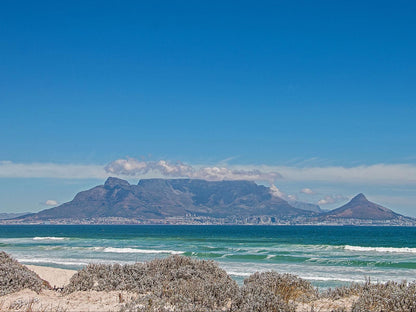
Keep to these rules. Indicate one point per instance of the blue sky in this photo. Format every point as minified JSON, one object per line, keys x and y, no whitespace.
{"x":320,"y":92}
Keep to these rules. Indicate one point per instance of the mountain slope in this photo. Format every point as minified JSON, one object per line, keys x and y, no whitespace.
{"x":163,"y":198}
{"x":305,"y":206}
{"x":361,"y":208}
{"x":12,"y":215}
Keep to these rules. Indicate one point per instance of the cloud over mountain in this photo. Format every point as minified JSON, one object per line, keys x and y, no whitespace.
{"x":378,"y":174}
{"x":307,"y":191}
{"x":51,"y":202}
{"x":134,"y":167}
{"x":331,"y":199}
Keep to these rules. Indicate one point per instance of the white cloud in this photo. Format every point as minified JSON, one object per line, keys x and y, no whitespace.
{"x":307,"y":191}
{"x":127,"y":166}
{"x":292,"y":197}
{"x":279,"y":193}
{"x":222,"y":173}
{"x":134,"y":167}
{"x":276,"y":192}
{"x":398,"y":174}
{"x":391,"y":185}
{"x":378,"y":174}
{"x":51,"y":202}
{"x":331,"y":199}
{"x":325,"y":201}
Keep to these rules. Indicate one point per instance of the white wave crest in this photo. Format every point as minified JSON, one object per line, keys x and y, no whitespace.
{"x":381,"y":249}
{"x":143,"y":251}
{"x":239,"y":273}
{"x":53,"y":261}
{"x":325,"y":279}
{"x":49,"y":238}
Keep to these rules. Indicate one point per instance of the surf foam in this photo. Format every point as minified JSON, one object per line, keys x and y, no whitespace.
{"x":143,"y":251}
{"x":381,"y":249}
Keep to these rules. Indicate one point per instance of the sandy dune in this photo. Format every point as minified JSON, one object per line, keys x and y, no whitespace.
{"x":55,"y":301}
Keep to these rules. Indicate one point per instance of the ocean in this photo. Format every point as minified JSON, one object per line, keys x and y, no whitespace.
{"x":327,"y":256}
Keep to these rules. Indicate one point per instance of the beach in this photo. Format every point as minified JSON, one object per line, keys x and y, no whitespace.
{"x":328,"y":257}
{"x":54,"y":276}
{"x":54,"y":300}
{"x":338,"y":261}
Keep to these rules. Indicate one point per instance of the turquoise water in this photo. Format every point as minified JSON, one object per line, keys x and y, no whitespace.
{"x":326,"y":256}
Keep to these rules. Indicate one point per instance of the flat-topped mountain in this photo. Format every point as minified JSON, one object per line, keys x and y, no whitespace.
{"x":164,"y":198}
{"x":193,"y":201}
{"x":361,"y":208}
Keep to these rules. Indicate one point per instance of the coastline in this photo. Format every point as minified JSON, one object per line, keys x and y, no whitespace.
{"x":97,"y":288}
{"x":52,"y":300}
{"x":328,"y":257}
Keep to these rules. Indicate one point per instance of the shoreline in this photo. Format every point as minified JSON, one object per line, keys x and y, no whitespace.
{"x":51,"y":300}
{"x":93,"y":299}
{"x":283,"y":224}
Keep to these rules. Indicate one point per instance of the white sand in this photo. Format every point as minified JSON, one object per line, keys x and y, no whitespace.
{"x":53,"y":301}
{"x":55,"y":277}
{"x":327,"y":305}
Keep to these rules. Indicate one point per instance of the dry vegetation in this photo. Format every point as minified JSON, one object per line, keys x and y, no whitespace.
{"x":183,"y":284}
{"x":391,"y":296}
{"x":271,"y":291}
{"x":15,"y":277}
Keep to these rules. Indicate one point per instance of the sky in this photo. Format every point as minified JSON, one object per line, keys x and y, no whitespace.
{"x":314,"y":98}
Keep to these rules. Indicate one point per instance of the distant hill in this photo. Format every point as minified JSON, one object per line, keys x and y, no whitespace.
{"x":361,"y":208}
{"x":164,"y":198}
{"x":12,"y":215}
{"x":305,"y":206}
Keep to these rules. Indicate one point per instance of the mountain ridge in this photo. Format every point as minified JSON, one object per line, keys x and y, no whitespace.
{"x":162,"y":198}
{"x":194,"y":201}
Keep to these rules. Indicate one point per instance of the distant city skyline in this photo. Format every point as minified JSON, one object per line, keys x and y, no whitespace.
{"x":316,"y":98}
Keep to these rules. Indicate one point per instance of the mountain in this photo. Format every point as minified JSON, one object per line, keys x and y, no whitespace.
{"x":361,"y":208}
{"x":158,"y":199}
{"x":305,"y":206}
{"x":12,"y":215}
{"x":192,"y":201}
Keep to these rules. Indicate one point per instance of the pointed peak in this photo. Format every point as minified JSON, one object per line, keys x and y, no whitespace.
{"x":112,"y":182}
{"x":359,"y":197}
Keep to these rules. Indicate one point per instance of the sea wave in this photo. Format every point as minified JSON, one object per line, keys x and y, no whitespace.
{"x":53,"y":261}
{"x":143,"y":251}
{"x":381,"y":249}
{"x":48,"y":238}
{"x":239,"y":273}
{"x":325,"y":279}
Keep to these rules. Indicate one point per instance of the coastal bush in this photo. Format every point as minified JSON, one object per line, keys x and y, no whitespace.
{"x":15,"y":277}
{"x":274,"y":292}
{"x":182,"y":282}
{"x":391,"y":296}
{"x":289,"y":287}
{"x":107,"y":277}
{"x":354,"y":289}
